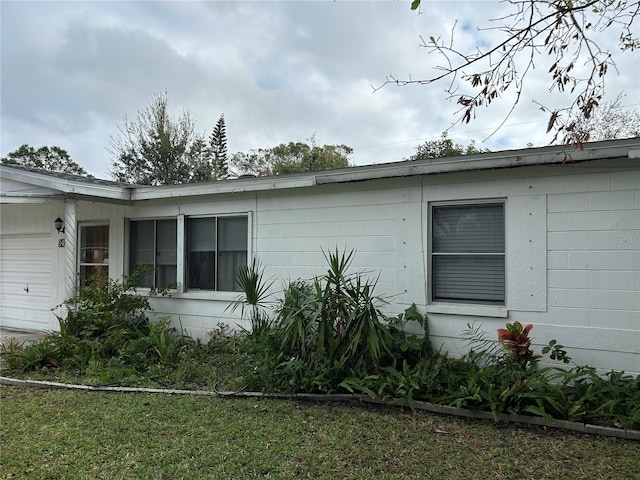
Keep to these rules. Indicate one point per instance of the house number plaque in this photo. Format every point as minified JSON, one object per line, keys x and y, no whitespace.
{"x":61,"y":243}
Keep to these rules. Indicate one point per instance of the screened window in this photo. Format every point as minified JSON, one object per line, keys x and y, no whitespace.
{"x":468,"y":253}
{"x":216,"y":250}
{"x":153,"y":244}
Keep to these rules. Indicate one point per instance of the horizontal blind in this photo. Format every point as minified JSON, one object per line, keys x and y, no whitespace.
{"x":468,"y":261}
{"x":468,"y":228}
{"x":468,"y":278}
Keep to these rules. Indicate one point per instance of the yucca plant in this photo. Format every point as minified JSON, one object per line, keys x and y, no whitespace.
{"x":336,"y":317}
{"x":299,"y":312}
{"x":253,"y":302}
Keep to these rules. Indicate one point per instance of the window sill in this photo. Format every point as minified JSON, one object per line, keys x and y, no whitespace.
{"x":469,"y":309}
{"x":208,"y":295}
{"x":197,"y":295}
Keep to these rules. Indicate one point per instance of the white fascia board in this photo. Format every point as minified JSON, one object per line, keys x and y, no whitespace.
{"x":99,"y":191}
{"x":14,"y":197}
{"x":69,"y":187}
{"x":484,"y":161}
{"x":240,"y":185}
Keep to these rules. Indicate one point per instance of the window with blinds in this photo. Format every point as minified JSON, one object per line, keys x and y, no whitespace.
{"x":468,"y":253}
{"x":216,"y":250}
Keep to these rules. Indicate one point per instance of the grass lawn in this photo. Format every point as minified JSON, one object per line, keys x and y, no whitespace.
{"x":47,"y":434}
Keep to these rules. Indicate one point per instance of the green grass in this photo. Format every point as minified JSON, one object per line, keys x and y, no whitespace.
{"x":47,"y":434}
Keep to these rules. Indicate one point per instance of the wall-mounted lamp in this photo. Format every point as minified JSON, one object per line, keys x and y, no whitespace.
{"x":59,"y":223}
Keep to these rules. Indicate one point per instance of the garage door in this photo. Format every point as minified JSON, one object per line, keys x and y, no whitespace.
{"x":25,"y":272}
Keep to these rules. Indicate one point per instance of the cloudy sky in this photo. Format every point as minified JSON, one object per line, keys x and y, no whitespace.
{"x":279,"y":71}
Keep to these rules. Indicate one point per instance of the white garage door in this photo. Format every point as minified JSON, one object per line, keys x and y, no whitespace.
{"x":25,"y":272}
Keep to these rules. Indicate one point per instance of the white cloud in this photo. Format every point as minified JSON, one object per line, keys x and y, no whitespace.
{"x":279,"y":71}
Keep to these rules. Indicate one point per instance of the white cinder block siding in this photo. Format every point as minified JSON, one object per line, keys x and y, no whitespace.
{"x":572,"y":235}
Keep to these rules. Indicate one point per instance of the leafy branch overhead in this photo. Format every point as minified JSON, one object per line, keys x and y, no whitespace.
{"x":570,"y":35}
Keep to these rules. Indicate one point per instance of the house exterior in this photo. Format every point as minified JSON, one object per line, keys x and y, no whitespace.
{"x":542,"y":236}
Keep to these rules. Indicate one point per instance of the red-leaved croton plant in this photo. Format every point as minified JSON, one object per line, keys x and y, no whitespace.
{"x":515,"y":338}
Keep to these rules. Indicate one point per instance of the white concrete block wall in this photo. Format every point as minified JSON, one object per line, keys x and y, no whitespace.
{"x":573,"y":253}
{"x":593,"y":265}
{"x":588,"y":253}
{"x":292,"y":235}
{"x":594,"y":269}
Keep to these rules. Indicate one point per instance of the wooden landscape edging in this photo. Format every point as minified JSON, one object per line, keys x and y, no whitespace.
{"x":579,"y":427}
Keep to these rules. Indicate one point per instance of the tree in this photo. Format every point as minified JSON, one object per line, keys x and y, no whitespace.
{"x":157,"y":149}
{"x":292,"y":157}
{"x":444,"y":147}
{"x":258,"y":162}
{"x":301,"y":157}
{"x":566,"y":30}
{"x":608,"y":122}
{"x":218,"y":150}
{"x":54,"y":159}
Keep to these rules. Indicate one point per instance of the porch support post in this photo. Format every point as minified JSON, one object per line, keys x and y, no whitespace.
{"x":70,"y":254}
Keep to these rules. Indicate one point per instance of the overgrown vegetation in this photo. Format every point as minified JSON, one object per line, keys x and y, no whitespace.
{"x":327,"y":334}
{"x":105,"y":336}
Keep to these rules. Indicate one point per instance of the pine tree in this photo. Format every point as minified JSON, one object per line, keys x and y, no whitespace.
{"x":218,"y":150}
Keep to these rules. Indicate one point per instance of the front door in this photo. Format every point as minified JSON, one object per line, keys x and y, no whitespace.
{"x":94,"y":252}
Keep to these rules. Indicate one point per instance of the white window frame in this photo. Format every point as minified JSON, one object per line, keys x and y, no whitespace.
{"x":185,"y":251}
{"x":128,"y":246}
{"x":181,"y":247}
{"x":465,"y":308}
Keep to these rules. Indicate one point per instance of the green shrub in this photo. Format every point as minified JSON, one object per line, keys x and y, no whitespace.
{"x":408,"y":347}
{"x":325,"y":335}
{"x":106,"y":320}
{"x":36,"y":356}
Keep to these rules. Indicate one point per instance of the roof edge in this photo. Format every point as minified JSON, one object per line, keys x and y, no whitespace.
{"x":88,"y":188}
{"x":70,"y":185}
{"x":628,"y":148}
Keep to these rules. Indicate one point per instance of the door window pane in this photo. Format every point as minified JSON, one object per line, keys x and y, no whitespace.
{"x":94,"y":253}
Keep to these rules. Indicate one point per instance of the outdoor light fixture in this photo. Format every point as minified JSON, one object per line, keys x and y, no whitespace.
{"x":59,"y":223}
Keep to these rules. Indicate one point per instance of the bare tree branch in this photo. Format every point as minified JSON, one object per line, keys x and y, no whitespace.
{"x":564,"y":30}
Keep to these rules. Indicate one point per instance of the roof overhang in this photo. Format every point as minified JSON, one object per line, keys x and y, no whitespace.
{"x":628,"y":148}
{"x":63,"y":187}
{"x":239,"y":185}
{"x":488,"y":161}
